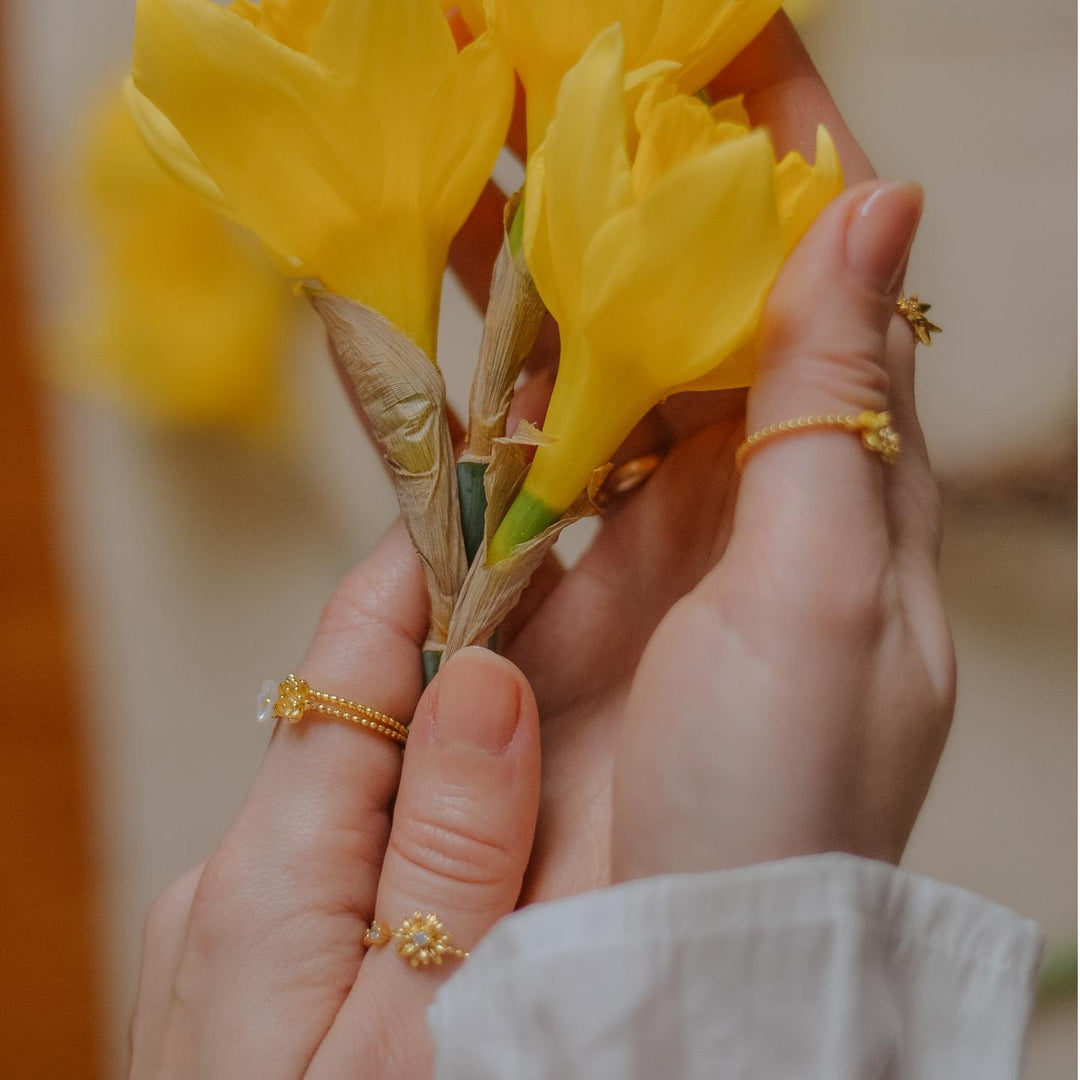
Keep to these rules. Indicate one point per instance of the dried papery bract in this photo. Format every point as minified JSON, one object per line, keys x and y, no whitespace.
{"x":403,"y":396}
{"x":511,"y":323}
{"x":490,"y":592}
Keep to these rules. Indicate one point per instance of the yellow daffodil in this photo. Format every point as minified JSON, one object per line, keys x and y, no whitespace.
{"x":547,"y":37}
{"x":350,"y":136}
{"x":187,"y":319}
{"x":655,"y":265}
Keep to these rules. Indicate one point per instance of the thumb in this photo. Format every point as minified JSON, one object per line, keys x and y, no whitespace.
{"x":823,"y":351}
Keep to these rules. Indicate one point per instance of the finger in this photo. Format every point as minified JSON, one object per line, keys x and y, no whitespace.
{"x":818,"y":496}
{"x":784,"y":92}
{"x":463,"y":828}
{"x":912,"y":497}
{"x":163,"y":946}
{"x":280,"y":909}
{"x":466,"y":809}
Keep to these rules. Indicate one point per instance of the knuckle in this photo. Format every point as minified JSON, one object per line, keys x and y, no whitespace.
{"x":360,"y":604}
{"x":839,"y":359}
{"x":461,"y":852}
{"x":229,"y":895}
{"x":851,"y":605}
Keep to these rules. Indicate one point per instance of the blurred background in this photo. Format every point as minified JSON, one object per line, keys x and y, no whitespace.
{"x":184,"y":484}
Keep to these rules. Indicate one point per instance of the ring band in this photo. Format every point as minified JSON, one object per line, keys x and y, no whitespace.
{"x":292,"y":697}
{"x":420,"y":940}
{"x":914,"y":310}
{"x":874,"y":427}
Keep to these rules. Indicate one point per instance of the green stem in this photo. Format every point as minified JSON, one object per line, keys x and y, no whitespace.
{"x":473,"y":502}
{"x":526,"y":518}
{"x":431,"y":658}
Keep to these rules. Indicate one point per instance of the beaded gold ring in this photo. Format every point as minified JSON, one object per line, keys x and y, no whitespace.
{"x":292,"y":697}
{"x":875,"y":428}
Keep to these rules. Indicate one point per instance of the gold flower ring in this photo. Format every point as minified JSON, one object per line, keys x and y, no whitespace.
{"x":292,"y":697}
{"x":420,"y":940}
{"x":914,"y":310}
{"x":875,"y":429}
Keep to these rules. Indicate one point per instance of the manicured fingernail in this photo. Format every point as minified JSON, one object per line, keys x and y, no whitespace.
{"x":479,"y":701}
{"x":880,"y":233}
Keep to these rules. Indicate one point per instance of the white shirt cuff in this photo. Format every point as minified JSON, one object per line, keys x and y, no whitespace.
{"x":827,"y":967}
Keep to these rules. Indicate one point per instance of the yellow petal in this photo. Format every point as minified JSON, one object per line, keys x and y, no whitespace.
{"x":803,"y":190}
{"x":673,"y":128}
{"x":705,"y":241}
{"x":733,"y":26}
{"x":676,"y":284}
{"x":472,"y":11}
{"x":168,"y":146}
{"x":587,"y":171}
{"x":466,"y":126}
{"x":292,"y":22}
{"x":730,"y":111}
{"x":268,"y":126}
{"x":734,"y":373}
{"x":547,"y":37}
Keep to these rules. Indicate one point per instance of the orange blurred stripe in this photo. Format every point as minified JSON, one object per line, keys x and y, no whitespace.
{"x":50,"y":1003}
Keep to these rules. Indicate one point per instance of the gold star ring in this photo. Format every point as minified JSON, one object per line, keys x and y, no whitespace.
{"x":914,"y":310}
{"x":421,"y":939}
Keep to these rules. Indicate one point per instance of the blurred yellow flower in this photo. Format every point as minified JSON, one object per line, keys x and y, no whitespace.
{"x":655,"y":265}
{"x":547,"y":37}
{"x":187,"y":320}
{"x":350,"y":136}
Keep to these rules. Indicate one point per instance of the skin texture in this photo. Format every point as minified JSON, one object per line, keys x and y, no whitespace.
{"x":735,"y":671}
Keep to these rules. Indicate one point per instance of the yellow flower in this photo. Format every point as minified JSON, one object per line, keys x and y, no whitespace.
{"x":655,"y":266}
{"x":187,"y":320}
{"x":547,"y":37}
{"x":350,"y":136}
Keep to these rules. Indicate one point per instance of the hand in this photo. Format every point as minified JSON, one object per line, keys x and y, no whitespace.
{"x":797,"y":699}
{"x":252,"y":963}
{"x":580,"y":635}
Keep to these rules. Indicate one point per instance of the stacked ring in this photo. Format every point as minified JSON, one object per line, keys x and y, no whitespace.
{"x":292,"y":697}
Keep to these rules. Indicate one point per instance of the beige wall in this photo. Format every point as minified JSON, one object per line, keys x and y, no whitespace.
{"x":199,"y":568}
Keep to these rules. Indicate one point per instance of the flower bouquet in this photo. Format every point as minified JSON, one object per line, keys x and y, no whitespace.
{"x":354,"y":137}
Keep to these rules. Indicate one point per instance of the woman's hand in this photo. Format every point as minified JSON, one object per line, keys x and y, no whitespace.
{"x":797,"y":700}
{"x":253,"y":963}
{"x":580,"y":634}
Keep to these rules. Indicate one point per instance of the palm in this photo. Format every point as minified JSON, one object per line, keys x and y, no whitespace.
{"x":581,"y":646}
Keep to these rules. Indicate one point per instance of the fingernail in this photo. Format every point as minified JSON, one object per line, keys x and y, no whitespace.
{"x":880,"y":234}
{"x":479,"y":701}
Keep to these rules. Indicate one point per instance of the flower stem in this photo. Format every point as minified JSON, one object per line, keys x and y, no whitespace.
{"x":432,"y":658}
{"x":527,"y":517}
{"x":473,"y":502}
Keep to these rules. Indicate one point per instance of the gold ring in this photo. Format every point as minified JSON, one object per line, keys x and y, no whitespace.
{"x":874,"y":428}
{"x":914,"y":310}
{"x":421,"y":939}
{"x":292,"y":697}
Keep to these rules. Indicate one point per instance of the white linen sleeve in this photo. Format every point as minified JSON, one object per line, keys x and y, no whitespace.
{"x":827,"y":967}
